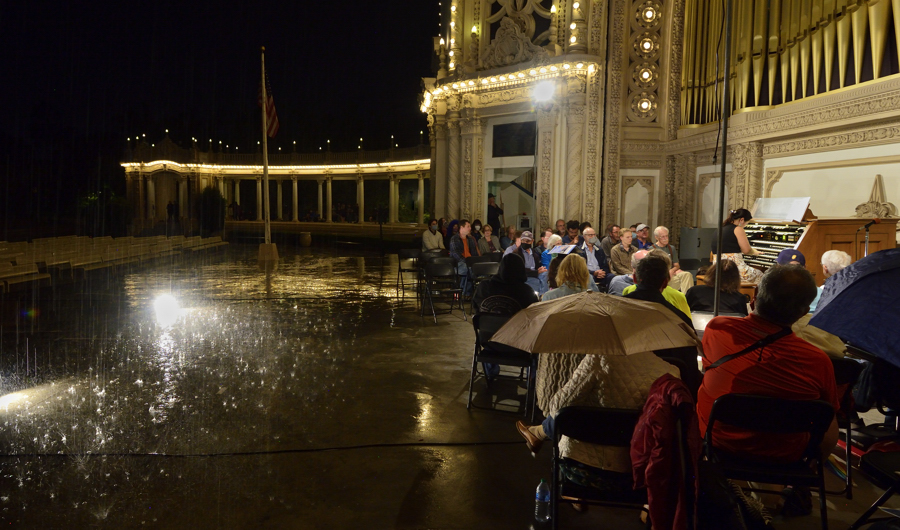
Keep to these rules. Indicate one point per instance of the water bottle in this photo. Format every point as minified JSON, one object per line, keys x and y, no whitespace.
{"x":542,"y":502}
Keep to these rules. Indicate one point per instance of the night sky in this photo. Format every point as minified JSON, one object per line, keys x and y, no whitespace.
{"x":80,"y":78}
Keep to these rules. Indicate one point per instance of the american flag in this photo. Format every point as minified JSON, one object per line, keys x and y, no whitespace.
{"x":271,"y":116}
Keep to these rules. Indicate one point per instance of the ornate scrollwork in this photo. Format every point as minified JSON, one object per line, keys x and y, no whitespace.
{"x":511,"y":46}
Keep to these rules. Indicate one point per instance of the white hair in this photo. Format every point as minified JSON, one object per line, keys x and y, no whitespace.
{"x":553,"y":241}
{"x":659,"y":229}
{"x":835,"y":260}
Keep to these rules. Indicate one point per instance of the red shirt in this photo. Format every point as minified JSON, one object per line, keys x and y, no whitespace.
{"x":790,"y":368}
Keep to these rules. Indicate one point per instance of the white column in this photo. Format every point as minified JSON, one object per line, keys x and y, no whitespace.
{"x":259,"y":199}
{"x":330,"y":205}
{"x":237,"y":191}
{"x":280,"y":199}
{"x":394,"y":200}
{"x":295,"y":203}
{"x":319,"y":183}
{"x":361,"y":197}
{"x":151,"y":199}
{"x":420,"y":200}
{"x":182,"y":197}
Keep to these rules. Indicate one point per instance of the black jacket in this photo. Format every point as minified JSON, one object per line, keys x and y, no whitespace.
{"x":509,"y":281}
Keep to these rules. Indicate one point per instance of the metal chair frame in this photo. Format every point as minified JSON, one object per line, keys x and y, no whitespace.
{"x":486,"y":324}
{"x":441,"y":278}
{"x":410,"y":256}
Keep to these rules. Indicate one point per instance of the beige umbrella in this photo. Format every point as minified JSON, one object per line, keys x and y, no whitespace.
{"x":591,"y":322}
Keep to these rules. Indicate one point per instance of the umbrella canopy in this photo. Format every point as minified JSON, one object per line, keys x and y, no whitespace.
{"x":592,"y":322}
{"x":861,"y":305}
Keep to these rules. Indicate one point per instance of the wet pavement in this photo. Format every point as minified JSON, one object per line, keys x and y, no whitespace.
{"x":312,"y":397}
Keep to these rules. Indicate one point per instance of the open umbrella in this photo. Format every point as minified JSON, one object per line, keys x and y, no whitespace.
{"x":592,"y":322}
{"x":861,"y":305}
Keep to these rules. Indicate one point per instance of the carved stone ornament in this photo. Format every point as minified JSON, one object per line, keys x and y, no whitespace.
{"x":511,"y":46}
{"x":877,"y":205}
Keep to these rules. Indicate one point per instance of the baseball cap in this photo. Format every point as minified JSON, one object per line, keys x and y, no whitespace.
{"x":641,"y":227}
{"x":786,"y":256}
{"x":491,"y":196}
{"x":527,"y":235}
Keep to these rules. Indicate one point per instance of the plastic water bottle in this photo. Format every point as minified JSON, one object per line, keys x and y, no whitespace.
{"x":542,"y":502}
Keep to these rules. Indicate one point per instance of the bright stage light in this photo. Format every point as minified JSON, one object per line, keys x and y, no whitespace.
{"x":544,"y":91}
{"x":167,"y":310}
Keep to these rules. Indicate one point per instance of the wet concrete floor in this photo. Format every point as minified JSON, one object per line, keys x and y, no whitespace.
{"x":313,"y":397}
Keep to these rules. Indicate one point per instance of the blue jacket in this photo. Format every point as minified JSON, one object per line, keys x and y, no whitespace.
{"x":602,"y":262}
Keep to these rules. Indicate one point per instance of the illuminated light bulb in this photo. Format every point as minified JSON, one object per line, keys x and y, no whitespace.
{"x":566,"y":66}
{"x":645,"y":104}
{"x":532,"y":72}
{"x":452,"y":41}
{"x":573,"y":39}
{"x":484,"y":81}
{"x":543,"y":70}
{"x":591,"y":69}
{"x":452,"y":65}
{"x":553,"y":9}
{"x":493,"y":80}
{"x":553,"y":68}
{"x":503,"y":78}
{"x":646,"y":44}
{"x":453,"y":9}
{"x":455,"y":85}
{"x":442,"y":41}
{"x":451,"y":53}
{"x":579,"y":65}
{"x":521,"y":75}
{"x":575,"y":5}
{"x":453,"y":24}
{"x":474,"y":29}
{"x":471,"y":83}
{"x":572,"y":25}
{"x":645,"y":75}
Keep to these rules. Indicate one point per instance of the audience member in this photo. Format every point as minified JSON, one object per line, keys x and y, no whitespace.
{"x":462,"y":246}
{"x":596,"y":259}
{"x":642,"y":237}
{"x":790,"y":256}
{"x":621,"y":282}
{"x":489,"y":242}
{"x":610,"y":240}
{"x":572,"y":236}
{"x":442,"y":226}
{"x":833,"y":262}
{"x":545,"y":237}
{"x":735,"y":244}
{"x":522,"y":247}
{"x":701,"y":297}
{"x":680,"y":280}
{"x":452,"y":230}
{"x":788,"y":367}
{"x":431,"y":238}
{"x":649,"y":284}
{"x":572,"y":277}
{"x":509,"y":281}
{"x":620,"y":259}
{"x":582,"y":226}
{"x":509,"y":237}
{"x":674,"y":297}
{"x":561,"y":228}
{"x":476,"y":229}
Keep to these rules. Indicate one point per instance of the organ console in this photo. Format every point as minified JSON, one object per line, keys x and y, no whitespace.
{"x":789,"y":223}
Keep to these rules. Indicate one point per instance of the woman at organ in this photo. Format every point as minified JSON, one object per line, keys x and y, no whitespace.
{"x":735,"y":244}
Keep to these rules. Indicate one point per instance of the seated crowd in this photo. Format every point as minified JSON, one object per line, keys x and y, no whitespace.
{"x":625,"y":262}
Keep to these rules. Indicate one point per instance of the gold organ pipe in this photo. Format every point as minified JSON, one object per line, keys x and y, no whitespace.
{"x":828,"y":34}
{"x":794,"y":44}
{"x":843,"y":39}
{"x":760,"y":34}
{"x":879,"y":13}
{"x":818,"y":22}
{"x":860,"y":18}
{"x":783,"y":48}
{"x":805,"y":41}
{"x":896,"y":6}
{"x":774,"y":17}
{"x":688,"y":82}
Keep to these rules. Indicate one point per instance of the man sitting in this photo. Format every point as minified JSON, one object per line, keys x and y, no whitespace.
{"x":833,"y":261}
{"x":596,"y":259}
{"x":642,"y":237}
{"x":462,"y":246}
{"x":620,"y":256}
{"x":611,"y":239}
{"x":620,"y":282}
{"x":674,"y":297}
{"x":432,"y":239}
{"x":651,"y":276}
{"x":679,"y":279}
{"x":522,"y":247}
{"x":572,"y":236}
{"x":788,"y":368}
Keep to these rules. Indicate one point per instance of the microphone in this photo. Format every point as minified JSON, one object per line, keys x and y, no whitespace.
{"x":870,"y":223}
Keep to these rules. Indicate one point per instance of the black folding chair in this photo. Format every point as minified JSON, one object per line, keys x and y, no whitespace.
{"x":846,"y":372}
{"x":486,"y":325}
{"x":602,"y":426}
{"x":884,"y":471}
{"x":481,"y":272}
{"x":441,"y":282}
{"x":408,"y":262}
{"x":766,"y":414}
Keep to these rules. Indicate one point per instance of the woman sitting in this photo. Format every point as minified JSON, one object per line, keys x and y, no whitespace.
{"x":701,"y":297}
{"x":572,"y":277}
{"x":489,"y":242}
{"x":735,"y":244}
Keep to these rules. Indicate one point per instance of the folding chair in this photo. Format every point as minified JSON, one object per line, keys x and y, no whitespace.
{"x":601,"y":426}
{"x":408,"y":259}
{"x":766,"y":414}
{"x":486,"y":325}
{"x":884,"y":471}
{"x":846,"y":372}
{"x":480,"y":272}
{"x":441,"y":280}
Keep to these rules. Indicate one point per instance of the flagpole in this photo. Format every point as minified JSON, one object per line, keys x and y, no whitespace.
{"x":265,"y":149}
{"x":268,"y":253}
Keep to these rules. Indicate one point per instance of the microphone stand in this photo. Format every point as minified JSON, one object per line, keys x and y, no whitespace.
{"x":867,"y":242}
